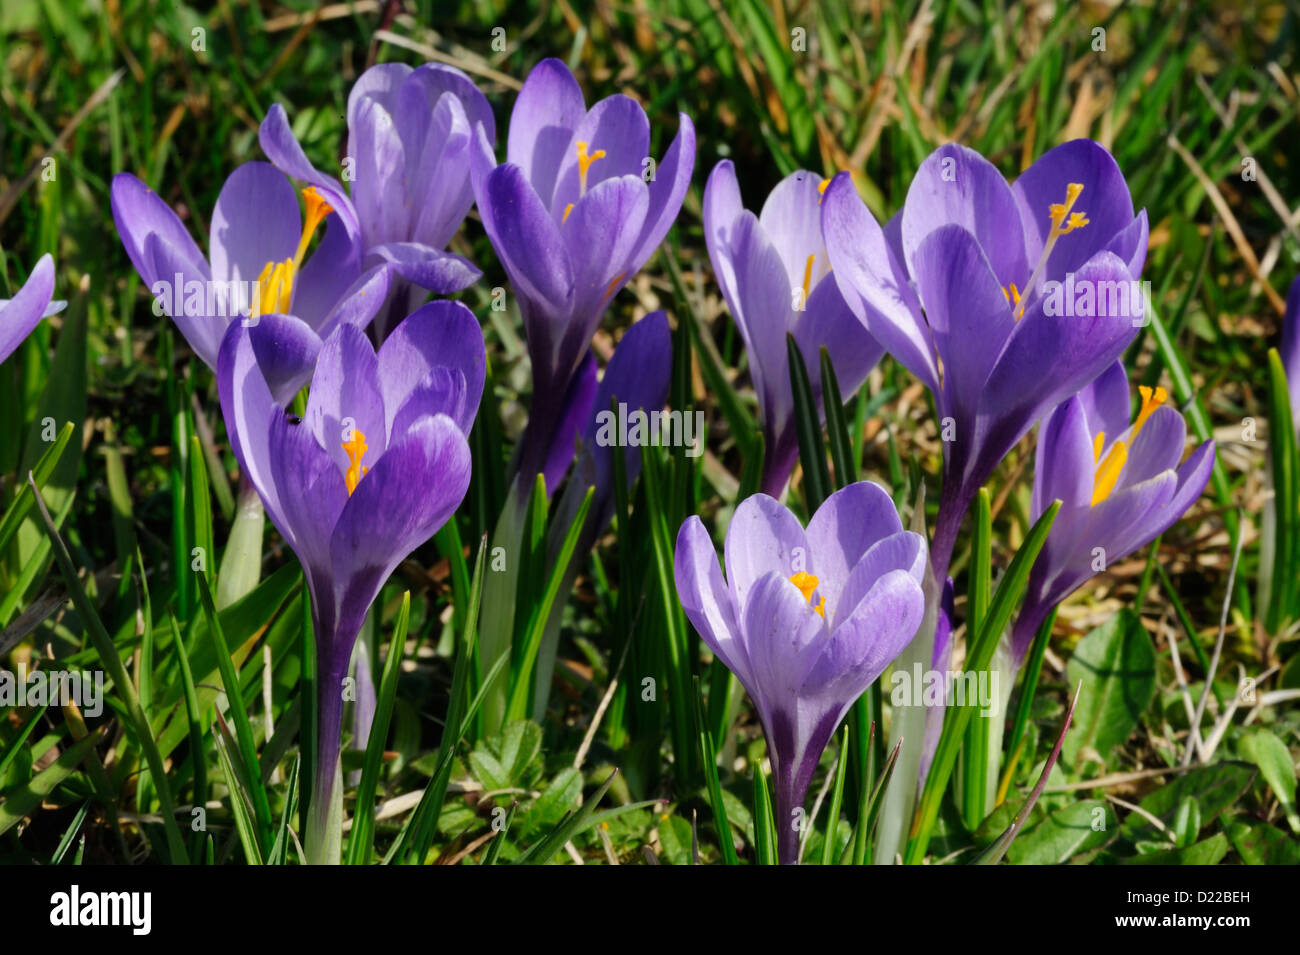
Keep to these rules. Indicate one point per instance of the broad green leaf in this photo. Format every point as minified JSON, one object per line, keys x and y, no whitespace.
{"x":1215,"y":788}
{"x":1116,"y":663}
{"x":1209,"y":852}
{"x":1064,"y":833}
{"x":1276,"y":766}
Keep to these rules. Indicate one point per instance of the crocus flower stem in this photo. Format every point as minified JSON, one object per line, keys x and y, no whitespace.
{"x":323,"y":842}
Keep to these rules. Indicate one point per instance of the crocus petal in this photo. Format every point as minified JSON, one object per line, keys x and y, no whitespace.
{"x":442,"y":273}
{"x":784,"y":636}
{"x":1106,"y":402}
{"x":255,"y":221}
{"x":345,"y":396}
{"x":247,"y":407}
{"x":763,"y":538}
{"x":359,"y":303}
{"x":880,"y":627}
{"x":791,"y":218}
{"x":1130,"y":243}
{"x":873,"y":282}
{"x":138,"y":212}
{"x":377,"y":86}
{"x":24,"y":311}
{"x":1105,"y":199}
{"x":1289,"y":350}
{"x":281,"y":146}
{"x":439,"y":172}
{"x":439,"y":334}
{"x":575,"y":410}
{"x":763,"y":311}
{"x":827,"y":321}
{"x":722,"y":206}
{"x":1064,"y":462}
{"x":706,"y":598}
{"x":600,"y":233}
{"x":667,"y":190}
{"x":956,"y":185}
{"x":637,"y":376}
{"x":1065,"y":353}
{"x":617,"y":125}
{"x":379,"y":190}
{"x":905,"y":551}
{"x":441,"y":393}
{"x":414,"y":487}
{"x":310,"y":489}
{"x":526,"y":239}
{"x":326,"y":275}
{"x":967,"y":311}
{"x":843,"y":529}
{"x":286,"y":350}
{"x":1157,"y":447}
{"x":201,"y":329}
{"x":546,"y":113}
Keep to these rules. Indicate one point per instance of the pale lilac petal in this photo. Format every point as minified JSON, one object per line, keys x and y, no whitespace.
{"x":617,"y":125}
{"x":763,"y":538}
{"x":345,"y":395}
{"x":955,"y":185}
{"x":22,"y":313}
{"x":843,"y":529}
{"x":439,"y":334}
{"x":873,"y":282}
{"x":667,"y":190}
{"x":379,"y":190}
{"x":442,"y":273}
{"x":549,"y":108}
{"x":247,"y":407}
{"x":286,"y":350}
{"x":203,"y":327}
{"x":1064,"y":463}
{"x":706,"y":598}
{"x":255,"y":221}
{"x":359,"y":303}
{"x":600,"y":233}
{"x":139,"y":212}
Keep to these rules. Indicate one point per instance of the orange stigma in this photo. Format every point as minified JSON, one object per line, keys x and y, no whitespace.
{"x":585,"y":159}
{"x":356,"y":449}
{"x":807,"y":584}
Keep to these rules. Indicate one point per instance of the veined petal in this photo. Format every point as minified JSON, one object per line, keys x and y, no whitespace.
{"x":359,"y":303}
{"x":1105,"y":199}
{"x":600,"y":233}
{"x":439,"y":334}
{"x":345,"y":397}
{"x":380,"y":189}
{"x":329,"y":274}
{"x":255,"y":221}
{"x":763,"y":538}
{"x":137,"y":212}
{"x":667,"y":190}
{"x":442,"y":273}
{"x":847,"y":525}
{"x":286,"y":350}
{"x":617,"y":125}
{"x":706,"y":598}
{"x":1158,"y":447}
{"x":955,"y":185}
{"x":310,"y":490}
{"x":873,"y":282}
{"x":527,"y":240}
{"x":968,"y":314}
{"x":247,"y":407}
{"x":283,"y":149}
{"x":379,"y":85}
{"x":784,"y":637}
{"x":412,"y":490}
{"x":203,"y":327}
{"x":791,"y":219}
{"x":1064,"y":461}
{"x":22,"y":313}
{"x":549,"y":108}
{"x":1106,"y":402}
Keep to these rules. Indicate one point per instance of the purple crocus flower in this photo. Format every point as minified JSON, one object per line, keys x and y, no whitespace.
{"x":805,"y":620}
{"x":409,"y":137}
{"x":1290,"y":350}
{"x":573,"y":213}
{"x":378,"y":463}
{"x":773,"y":269}
{"x":22,"y":313}
{"x":1120,"y":485}
{"x":1003,"y":299}
{"x":257,"y":269}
